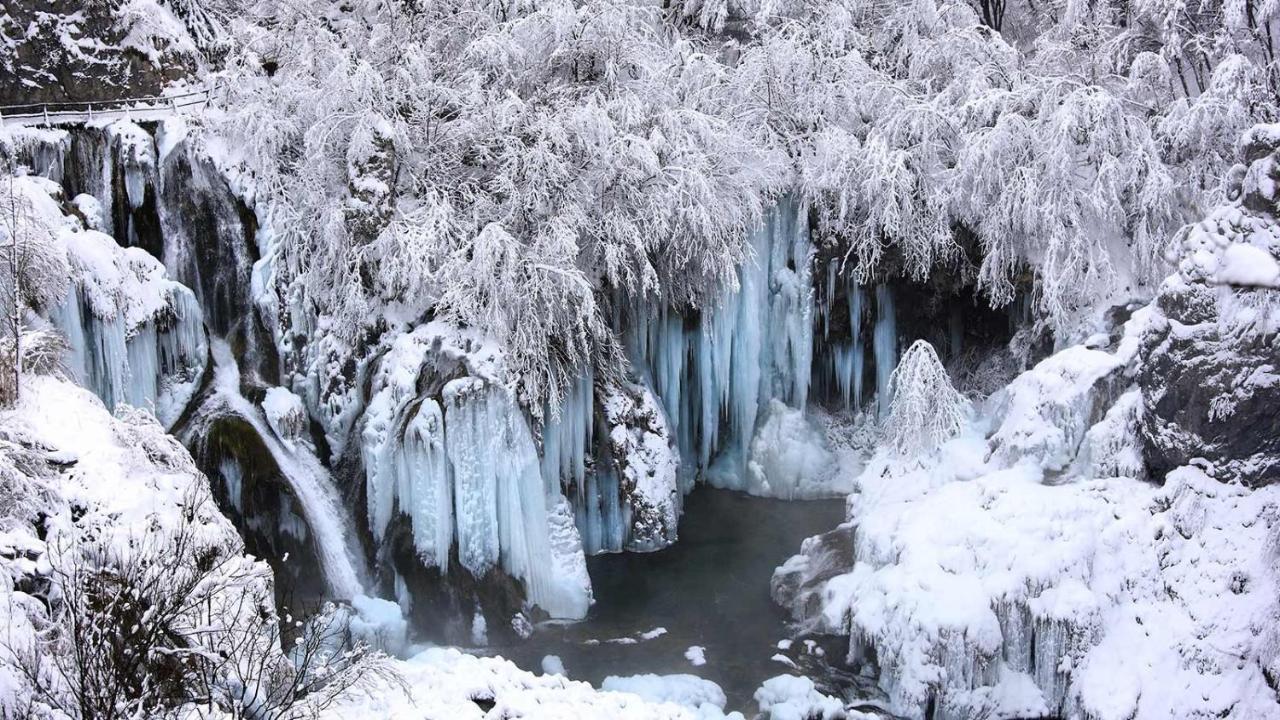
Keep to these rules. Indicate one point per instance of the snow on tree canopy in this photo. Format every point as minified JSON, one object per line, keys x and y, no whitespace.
{"x":924,"y":410}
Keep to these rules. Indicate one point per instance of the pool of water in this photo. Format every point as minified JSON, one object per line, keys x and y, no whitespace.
{"x":711,"y":589}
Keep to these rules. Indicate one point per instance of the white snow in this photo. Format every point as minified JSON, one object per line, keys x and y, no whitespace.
{"x":445,"y":683}
{"x":130,"y":485}
{"x":696,"y":655}
{"x":1248,"y":265}
{"x":688,"y":690}
{"x":1020,"y":572}
{"x":791,"y":697}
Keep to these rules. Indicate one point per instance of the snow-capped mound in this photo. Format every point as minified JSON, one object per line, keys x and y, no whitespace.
{"x":790,"y":458}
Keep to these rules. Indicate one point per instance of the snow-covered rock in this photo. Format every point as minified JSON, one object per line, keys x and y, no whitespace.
{"x":689,"y":690}
{"x":645,"y":462}
{"x":791,"y":697}
{"x":1210,"y":372}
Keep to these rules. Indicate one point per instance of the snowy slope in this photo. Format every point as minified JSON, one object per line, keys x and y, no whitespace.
{"x":84,"y":487}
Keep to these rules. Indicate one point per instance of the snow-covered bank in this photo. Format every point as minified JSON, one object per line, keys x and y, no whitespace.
{"x":451,"y":684}
{"x":981,"y":586}
{"x":1099,"y":542}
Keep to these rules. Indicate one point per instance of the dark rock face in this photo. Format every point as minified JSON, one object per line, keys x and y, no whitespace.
{"x":45,"y":69}
{"x":252,"y":493}
{"x":1210,"y":394}
{"x":1210,"y":363}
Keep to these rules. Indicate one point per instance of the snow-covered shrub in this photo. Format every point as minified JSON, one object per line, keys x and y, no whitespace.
{"x":925,"y":410}
{"x":44,"y":352}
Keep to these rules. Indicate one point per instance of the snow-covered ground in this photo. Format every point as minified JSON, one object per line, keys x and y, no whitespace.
{"x":445,"y":682}
{"x":80,"y":487}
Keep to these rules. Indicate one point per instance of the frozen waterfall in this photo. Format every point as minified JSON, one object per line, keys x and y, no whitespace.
{"x":462,"y":466}
{"x":136,"y":338}
{"x":755,"y":347}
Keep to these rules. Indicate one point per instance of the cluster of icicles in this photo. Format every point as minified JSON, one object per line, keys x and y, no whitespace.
{"x":468,"y":471}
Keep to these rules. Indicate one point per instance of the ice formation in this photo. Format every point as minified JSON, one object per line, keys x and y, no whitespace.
{"x":716,"y":378}
{"x":461,"y":464}
{"x":137,"y":338}
{"x":790,"y":458}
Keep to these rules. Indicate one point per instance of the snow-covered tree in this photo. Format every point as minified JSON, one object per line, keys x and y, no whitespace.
{"x":925,"y":410}
{"x":34,"y":275}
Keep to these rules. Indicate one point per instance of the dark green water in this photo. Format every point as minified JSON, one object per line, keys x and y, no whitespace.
{"x":710,"y":589}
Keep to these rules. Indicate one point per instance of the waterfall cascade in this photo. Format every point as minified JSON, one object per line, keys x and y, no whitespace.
{"x":320,"y":513}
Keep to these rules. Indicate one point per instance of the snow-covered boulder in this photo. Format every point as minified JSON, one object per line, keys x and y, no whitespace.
{"x":1029,"y":570}
{"x":646,"y":463}
{"x":791,"y":697}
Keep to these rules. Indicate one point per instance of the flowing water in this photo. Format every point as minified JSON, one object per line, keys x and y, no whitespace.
{"x":711,"y":589}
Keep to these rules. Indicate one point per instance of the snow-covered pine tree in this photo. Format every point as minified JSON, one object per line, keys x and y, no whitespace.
{"x":925,"y":410}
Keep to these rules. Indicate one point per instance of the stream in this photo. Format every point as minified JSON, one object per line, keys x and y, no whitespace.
{"x":710,"y":589}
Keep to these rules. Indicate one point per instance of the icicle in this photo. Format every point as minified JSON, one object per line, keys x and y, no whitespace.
{"x":504,"y":510}
{"x":423,"y":469}
{"x":885,"y":345}
{"x":857,"y":299}
{"x":233,"y":479}
{"x":756,"y":346}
